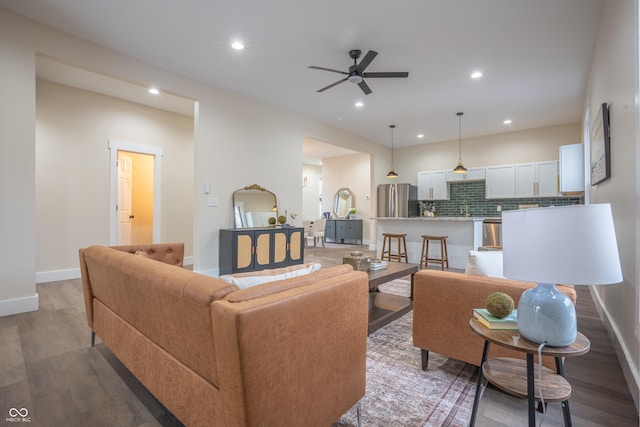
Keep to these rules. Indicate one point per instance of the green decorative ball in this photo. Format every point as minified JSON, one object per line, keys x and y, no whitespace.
{"x":499,"y":304}
{"x":272,"y":221}
{"x":282,"y":219}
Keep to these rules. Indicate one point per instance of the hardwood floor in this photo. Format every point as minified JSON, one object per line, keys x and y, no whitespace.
{"x":48,"y":367}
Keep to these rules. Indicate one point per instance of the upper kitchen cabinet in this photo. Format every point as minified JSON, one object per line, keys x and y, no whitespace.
{"x":572,"y":168}
{"x":472,"y":174}
{"x":432,"y":185}
{"x":500,"y":182}
{"x":537,"y":179}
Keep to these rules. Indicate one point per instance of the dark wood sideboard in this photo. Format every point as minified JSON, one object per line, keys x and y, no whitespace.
{"x":339,"y":230}
{"x":250,"y":249}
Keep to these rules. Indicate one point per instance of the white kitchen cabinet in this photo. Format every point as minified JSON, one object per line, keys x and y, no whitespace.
{"x":472,"y":174}
{"x":500,"y":182}
{"x":572,"y":168}
{"x":432,"y":185}
{"x":537,"y":179}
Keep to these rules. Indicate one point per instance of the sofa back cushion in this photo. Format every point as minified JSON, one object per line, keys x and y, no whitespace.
{"x":168,"y":304}
{"x":169,"y":253}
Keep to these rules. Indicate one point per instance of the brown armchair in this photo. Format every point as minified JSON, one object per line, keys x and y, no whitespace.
{"x":442,"y":306}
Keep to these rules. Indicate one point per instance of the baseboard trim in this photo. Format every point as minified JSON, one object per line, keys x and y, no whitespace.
{"x":56,"y":275}
{"x":630,"y":375}
{"x":19,"y":305}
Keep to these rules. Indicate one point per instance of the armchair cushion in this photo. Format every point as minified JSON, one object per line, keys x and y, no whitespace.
{"x":485,"y":263}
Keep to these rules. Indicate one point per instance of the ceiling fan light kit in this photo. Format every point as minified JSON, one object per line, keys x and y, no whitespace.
{"x":356,"y":73}
{"x":459,"y":168}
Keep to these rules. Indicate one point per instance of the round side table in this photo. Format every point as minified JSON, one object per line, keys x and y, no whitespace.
{"x":517,"y":377}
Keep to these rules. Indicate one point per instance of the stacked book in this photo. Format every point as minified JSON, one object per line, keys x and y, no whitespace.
{"x":377,"y":265}
{"x":492,"y":322}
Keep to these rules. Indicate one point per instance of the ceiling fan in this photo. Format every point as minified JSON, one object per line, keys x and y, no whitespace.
{"x":356,"y":72}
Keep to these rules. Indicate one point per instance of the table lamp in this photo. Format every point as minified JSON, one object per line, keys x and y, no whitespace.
{"x":558,"y":245}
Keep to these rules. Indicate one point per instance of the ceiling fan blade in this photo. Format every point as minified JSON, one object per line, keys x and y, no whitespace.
{"x":332,"y":85}
{"x":367,"y":60}
{"x":365,"y":88}
{"x":327,"y":69}
{"x":386,"y":74}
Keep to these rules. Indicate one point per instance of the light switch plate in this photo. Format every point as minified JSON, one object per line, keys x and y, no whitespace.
{"x":212,"y":201}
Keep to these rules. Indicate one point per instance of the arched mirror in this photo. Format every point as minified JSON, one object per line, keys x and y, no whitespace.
{"x":253,"y":206}
{"x":343,"y":201}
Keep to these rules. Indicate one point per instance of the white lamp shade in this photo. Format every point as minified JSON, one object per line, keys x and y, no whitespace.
{"x":563,"y":245}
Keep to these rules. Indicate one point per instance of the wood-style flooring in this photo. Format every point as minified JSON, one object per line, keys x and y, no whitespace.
{"x":48,"y":367}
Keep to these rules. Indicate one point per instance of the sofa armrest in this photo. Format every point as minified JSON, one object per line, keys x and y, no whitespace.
{"x":443,"y":304}
{"x":298,"y":354}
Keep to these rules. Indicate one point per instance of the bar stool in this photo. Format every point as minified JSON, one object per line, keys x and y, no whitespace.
{"x":402,"y":247}
{"x":444,"y":256}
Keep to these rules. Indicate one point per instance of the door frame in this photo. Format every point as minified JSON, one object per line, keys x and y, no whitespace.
{"x":157,"y":153}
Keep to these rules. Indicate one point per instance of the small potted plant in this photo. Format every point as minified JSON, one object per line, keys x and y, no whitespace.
{"x":352,"y":213}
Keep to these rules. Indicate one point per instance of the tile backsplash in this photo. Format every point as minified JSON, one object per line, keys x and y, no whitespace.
{"x":472,"y":194}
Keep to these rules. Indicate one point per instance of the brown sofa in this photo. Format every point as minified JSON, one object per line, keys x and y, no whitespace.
{"x":288,"y":352}
{"x":442,"y":306}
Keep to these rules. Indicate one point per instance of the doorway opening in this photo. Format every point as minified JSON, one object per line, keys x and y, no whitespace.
{"x":135,"y":183}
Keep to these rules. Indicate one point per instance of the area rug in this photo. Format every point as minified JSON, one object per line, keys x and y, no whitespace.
{"x":399,"y":393}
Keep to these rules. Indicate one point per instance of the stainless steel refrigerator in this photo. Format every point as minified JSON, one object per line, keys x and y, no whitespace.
{"x":397,"y":201}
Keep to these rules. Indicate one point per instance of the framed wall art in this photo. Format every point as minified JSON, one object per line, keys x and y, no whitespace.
{"x":600,"y":147}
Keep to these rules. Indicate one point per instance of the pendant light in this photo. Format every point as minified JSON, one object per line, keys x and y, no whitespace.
{"x":392,"y":172}
{"x":459,"y":168}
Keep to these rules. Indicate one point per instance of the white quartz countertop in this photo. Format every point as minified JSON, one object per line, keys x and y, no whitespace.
{"x":433,"y":218}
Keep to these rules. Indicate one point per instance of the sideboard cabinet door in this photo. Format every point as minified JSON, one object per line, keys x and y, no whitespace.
{"x":248,"y":249}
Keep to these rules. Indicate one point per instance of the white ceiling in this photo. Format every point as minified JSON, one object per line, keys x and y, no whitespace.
{"x":535,"y":56}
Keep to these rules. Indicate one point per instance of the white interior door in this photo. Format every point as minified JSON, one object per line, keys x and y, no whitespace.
{"x":124,"y":199}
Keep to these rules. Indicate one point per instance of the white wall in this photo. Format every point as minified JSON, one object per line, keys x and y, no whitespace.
{"x":310,"y":193}
{"x":237,"y":141}
{"x":17,"y":174}
{"x":512,"y":147}
{"x":353,"y":172}
{"x":613,"y":79}
{"x":73,"y":127}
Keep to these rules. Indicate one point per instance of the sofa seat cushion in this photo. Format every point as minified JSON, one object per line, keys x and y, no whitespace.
{"x":274,"y":287}
{"x":253,"y":278}
{"x":485,"y":263}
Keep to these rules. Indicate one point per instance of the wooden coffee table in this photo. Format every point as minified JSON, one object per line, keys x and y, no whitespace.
{"x":385,"y":308}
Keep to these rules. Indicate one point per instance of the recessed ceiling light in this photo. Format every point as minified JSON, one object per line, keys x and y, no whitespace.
{"x":420,"y":135}
{"x":359,"y":104}
{"x":154,"y":91}
{"x":476,"y":75}
{"x":237,"y":45}
{"x":507,"y":122}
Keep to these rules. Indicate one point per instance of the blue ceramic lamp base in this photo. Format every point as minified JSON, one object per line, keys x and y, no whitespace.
{"x":547,"y":315}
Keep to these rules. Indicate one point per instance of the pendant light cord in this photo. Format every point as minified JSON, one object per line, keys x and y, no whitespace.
{"x":392,"y":127}
{"x":460,"y":137}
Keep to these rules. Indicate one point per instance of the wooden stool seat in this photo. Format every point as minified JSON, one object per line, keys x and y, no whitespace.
{"x":402,"y":247}
{"x":444,"y":256}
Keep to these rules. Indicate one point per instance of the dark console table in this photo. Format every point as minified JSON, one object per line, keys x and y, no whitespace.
{"x":339,"y":230}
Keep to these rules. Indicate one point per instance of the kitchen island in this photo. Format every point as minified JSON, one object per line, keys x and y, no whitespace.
{"x":464,"y":234}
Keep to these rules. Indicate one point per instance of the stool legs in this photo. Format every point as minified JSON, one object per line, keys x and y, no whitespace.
{"x":444,"y":255}
{"x":401,"y":248}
